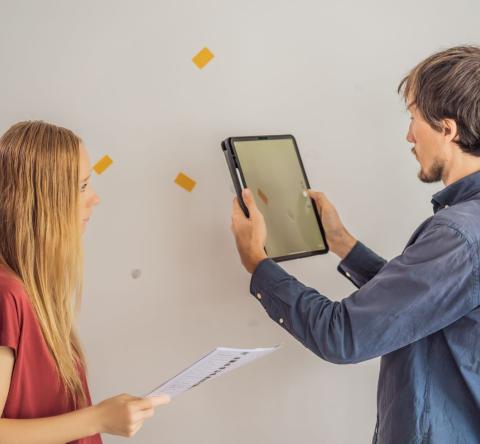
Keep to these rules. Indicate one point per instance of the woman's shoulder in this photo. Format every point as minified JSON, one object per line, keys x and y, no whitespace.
{"x":11,"y":287}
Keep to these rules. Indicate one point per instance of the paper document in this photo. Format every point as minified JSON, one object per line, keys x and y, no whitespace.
{"x":219,"y":361}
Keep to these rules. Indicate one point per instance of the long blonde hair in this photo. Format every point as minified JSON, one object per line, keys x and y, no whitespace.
{"x":40,"y":234}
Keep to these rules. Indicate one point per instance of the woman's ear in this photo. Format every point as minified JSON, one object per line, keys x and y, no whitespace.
{"x":450,"y":130}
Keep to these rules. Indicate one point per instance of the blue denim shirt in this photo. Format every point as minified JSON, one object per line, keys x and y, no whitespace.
{"x":419,"y":312}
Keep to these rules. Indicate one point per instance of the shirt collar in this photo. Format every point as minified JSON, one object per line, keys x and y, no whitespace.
{"x":457,"y":192}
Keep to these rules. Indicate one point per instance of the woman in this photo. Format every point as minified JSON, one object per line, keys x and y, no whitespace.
{"x":45,"y":203}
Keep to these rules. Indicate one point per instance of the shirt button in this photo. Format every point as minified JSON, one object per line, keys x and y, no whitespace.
{"x":259,"y":296}
{"x":280,"y":320}
{"x":347,"y":274}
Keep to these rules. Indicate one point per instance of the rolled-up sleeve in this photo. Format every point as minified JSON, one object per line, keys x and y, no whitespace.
{"x":9,"y":321}
{"x":361,"y":264}
{"x":431,"y":285}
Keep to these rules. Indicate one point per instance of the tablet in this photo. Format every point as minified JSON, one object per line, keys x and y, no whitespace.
{"x":271,"y":167}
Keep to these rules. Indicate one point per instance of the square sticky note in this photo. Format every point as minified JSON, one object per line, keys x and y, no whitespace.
{"x":102,"y":164}
{"x":203,"y":58}
{"x":185,"y":182}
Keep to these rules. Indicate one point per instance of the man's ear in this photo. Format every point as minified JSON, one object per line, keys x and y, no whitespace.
{"x":450,"y":130}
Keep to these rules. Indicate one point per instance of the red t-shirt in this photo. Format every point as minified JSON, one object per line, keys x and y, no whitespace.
{"x":35,"y":389}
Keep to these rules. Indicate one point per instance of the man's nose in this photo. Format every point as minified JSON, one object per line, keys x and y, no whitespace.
{"x":410,"y":138}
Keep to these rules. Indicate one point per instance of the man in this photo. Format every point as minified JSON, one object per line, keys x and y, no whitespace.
{"x":420,"y":310}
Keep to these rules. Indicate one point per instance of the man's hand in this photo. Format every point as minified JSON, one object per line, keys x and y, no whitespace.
{"x":250,"y":233}
{"x":339,"y":239}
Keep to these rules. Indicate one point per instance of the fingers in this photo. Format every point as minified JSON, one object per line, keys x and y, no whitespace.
{"x":236,"y":209}
{"x":133,"y":429}
{"x":137,"y":427}
{"x":144,"y":408}
{"x":124,"y":414}
{"x":249,"y":201}
{"x":142,"y":415}
{"x":237,"y":214}
{"x":141,"y":403}
{"x":247,"y":198}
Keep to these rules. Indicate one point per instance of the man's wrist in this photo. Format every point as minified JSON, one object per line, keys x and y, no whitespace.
{"x":343,"y":245}
{"x":255,"y":260}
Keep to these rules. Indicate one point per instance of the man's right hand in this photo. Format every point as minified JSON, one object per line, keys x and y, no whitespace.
{"x":339,"y":240}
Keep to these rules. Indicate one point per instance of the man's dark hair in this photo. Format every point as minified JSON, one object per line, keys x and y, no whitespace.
{"x":447,"y":86}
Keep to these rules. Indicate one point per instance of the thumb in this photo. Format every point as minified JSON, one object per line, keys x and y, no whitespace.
{"x":249,"y":201}
{"x":318,"y":197}
{"x":160,"y":399}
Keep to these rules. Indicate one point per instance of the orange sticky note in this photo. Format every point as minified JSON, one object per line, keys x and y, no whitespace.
{"x":203,"y":58}
{"x":262,"y":196}
{"x":102,"y":164}
{"x":185,"y":182}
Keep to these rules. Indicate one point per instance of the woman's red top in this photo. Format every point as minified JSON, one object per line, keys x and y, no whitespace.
{"x":35,"y":388}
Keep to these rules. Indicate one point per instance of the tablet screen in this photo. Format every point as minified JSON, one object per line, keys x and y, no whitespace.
{"x":272,"y":171}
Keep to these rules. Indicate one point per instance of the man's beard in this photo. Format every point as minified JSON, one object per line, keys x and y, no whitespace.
{"x":435,"y":174}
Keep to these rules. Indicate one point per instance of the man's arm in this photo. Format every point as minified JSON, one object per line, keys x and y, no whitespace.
{"x":359,"y":263}
{"x":431,"y":285}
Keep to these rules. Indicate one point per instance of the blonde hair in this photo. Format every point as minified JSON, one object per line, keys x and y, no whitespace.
{"x":40,"y":234}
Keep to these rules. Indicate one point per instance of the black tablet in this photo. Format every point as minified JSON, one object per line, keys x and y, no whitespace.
{"x":271,"y":167}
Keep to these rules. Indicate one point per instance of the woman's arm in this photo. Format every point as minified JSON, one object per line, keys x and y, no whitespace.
{"x":122,"y":415}
{"x":7,"y":359}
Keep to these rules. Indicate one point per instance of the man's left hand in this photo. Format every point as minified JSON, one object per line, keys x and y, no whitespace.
{"x":250,"y":233}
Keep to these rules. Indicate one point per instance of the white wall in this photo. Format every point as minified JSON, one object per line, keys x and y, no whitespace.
{"x":119,"y":73}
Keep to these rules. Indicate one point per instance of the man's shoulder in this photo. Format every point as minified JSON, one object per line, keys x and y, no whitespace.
{"x":463,"y":217}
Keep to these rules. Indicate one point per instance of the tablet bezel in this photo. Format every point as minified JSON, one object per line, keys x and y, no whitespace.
{"x":231,"y":143}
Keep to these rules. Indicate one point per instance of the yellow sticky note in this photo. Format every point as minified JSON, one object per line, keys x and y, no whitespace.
{"x":102,"y":164}
{"x":185,"y":182}
{"x":202,"y":58}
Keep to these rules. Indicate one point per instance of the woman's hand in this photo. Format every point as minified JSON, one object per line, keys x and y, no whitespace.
{"x":339,"y":240}
{"x":124,"y":414}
